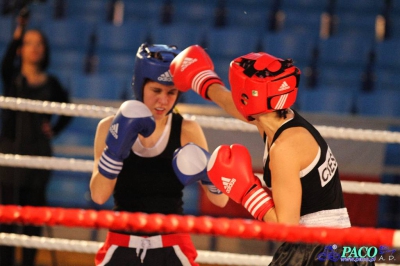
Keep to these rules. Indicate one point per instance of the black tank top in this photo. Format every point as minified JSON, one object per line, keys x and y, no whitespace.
{"x":149,"y":184}
{"x":321,"y":187}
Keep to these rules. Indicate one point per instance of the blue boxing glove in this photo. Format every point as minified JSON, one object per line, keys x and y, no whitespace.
{"x":132,"y":118}
{"x":190,"y":165}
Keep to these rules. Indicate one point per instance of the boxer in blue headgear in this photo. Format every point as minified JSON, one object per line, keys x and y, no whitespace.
{"x":152,"y":63}
{"x":143,"y":157}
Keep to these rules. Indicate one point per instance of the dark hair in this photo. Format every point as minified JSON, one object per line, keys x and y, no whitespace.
{"x":46,"y":57}
{"x":282,"y":113}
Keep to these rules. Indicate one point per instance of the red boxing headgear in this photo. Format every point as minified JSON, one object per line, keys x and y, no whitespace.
{"x":261,"y":83}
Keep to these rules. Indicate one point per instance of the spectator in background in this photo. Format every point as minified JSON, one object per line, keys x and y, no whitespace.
{"x":24,"y":76}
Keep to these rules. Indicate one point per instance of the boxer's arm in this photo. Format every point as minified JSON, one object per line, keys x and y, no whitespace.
{"x":295,"y":151}
{"x":101,"y":188}
{"x":223,"y":98}
{"x":193,"y":68}
{"x":192,"y":132}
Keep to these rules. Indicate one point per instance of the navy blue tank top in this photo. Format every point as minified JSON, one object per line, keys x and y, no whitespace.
{"x":321,"y":187}
{"x":149,"y":184}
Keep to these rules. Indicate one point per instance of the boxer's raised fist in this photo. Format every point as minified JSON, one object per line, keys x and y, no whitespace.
{"x":132,"y":118}
{"x":230,"y":170}
{"x":193,"y":68}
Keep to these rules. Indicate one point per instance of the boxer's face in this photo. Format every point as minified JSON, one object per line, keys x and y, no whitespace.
{"x":159,"y":98}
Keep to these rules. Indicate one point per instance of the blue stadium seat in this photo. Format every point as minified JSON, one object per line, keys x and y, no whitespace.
{"x":40,"y":13}
{"x":7,"y":29}
{"x":395,"y":29}
{"x":382,"y":103}
{"x":303,"y":21}
{"x":344,"y":51}
{"x":117,"y":64}
{"x":79,"y":133}
{"x":66,"y":189}
{"x":252,"y":16}
{"x":326,"y":100}
{"x":196,"y":13}
{"x":221,"y":67}
{"x":392,"y":153}
{"x":71,"y":190}
{"x":303,"y":77}
{"x":122,"y":39}
{"x":389,"y":207}
{"x":145,"y":11}
{"x":71,"y":137}
{"x":191,"y":199}
{"x":244,"y":3}
{"x":297,"y":46}
{"x":396,"y":7}
{"x":191,"y":97}
{"x":67,"y":61}
{"x":388,"y":54}
{"x":348,"y":78}
{"x":181,"y":35}
{"x":96,"y":86}
{"x":387,"y":79}
{"x":308,"y":5}
{"x":93,"y":11}
{"x":64,"y":77}
{"x":359,"y":7}
{"x":68,"y":34}
{"x":1,"y":88}
{"x":231,"y":42}
{"x":361,"y":24}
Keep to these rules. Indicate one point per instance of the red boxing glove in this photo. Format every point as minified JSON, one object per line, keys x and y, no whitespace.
{"x":193,"y":68}
{"x":230,"y":170}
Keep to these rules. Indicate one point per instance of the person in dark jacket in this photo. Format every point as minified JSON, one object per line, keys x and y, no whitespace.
{"x":24,"y":75}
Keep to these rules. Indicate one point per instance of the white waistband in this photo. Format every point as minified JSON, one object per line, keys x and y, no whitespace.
{"x":327,"y":218}
{"x":144,"y":243}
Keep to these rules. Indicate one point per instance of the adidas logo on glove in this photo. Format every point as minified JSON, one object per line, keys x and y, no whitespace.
{"x":114,"y":130}
{"x":166,"y":76}
{"x":228,"y":183}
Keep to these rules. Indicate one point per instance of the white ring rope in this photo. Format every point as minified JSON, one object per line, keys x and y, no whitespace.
{"x":79,"y":165}
{"x":82,"y":246}
{"x":69,"y":109}
{"x":219,"y":123}
{"x":48,"y":163}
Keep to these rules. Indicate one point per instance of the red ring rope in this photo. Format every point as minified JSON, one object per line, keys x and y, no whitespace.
{"x":199,"y":225}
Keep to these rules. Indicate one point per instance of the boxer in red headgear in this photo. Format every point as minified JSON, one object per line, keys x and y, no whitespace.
{"x":262,"y":83}
{"x":298,"y":163}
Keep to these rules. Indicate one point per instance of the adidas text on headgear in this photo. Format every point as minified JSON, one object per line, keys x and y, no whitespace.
{"x":152,"y":62}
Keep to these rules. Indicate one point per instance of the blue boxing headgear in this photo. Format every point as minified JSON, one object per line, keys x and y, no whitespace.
{"x":152,"y":62}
